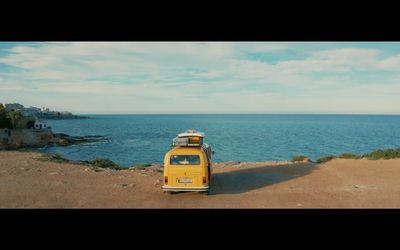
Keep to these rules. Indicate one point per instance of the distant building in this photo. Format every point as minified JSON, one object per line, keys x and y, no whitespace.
{"x":13,"y":107}
{"x":31,"y":111}
{"x":40,"y":125}
{"x":40,"y":113}
{"x":66,"y":113}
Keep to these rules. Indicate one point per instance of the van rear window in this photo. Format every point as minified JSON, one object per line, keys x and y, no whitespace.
{"x":185,"y":160}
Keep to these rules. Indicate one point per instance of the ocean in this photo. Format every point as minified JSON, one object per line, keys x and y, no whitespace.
{"x":140,"y":139}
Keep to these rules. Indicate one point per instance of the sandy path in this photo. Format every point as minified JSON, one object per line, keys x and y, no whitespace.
{"x":28,"y":182}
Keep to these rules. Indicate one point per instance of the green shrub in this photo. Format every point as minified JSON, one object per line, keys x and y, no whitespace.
{"x":299,"y":158}
{"x":105,"y":163}
{"x":325,"y":158}
{"x":349,"y":156}
{"x":375,"y":155}
{"x":384,"y":154}
{"x":5,"y":121}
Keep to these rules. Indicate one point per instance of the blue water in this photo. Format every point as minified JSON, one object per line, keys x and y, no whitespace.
{"x":136,"y":139}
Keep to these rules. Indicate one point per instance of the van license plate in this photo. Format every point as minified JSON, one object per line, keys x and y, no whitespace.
{"x":185,"y":180}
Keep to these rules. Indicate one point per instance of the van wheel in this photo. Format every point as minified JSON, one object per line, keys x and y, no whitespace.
{"x":206,"y":192}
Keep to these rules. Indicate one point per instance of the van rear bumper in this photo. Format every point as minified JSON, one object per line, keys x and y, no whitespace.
{"x":168,"y":188}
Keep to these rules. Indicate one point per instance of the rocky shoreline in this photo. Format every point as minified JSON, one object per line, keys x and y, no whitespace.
{"x":61,"y":139}
{"x":60,"y":116}
{"x":11,"y":139}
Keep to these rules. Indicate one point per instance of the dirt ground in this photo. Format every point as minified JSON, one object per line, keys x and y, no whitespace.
{"x":26,"y":182}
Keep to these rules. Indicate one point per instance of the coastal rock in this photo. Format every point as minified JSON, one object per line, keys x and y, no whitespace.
{"x":65,"y":140}
{"x":34,"y":138}
{"x":25,"y":138}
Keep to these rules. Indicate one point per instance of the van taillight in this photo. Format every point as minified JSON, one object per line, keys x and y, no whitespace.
{"x":165,"y":179}
{"x":204,"y":179}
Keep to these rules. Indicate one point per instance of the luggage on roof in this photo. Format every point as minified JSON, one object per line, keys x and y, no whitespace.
{"x":190,"y":138}
{"x":190,"y":133}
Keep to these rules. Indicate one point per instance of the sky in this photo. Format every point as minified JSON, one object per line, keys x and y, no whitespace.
{"x":203,"y":77}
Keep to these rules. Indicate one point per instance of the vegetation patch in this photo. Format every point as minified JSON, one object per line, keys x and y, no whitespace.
{"x":105,"y":163}
{"x":97,"y":163}
{"x":349,"y":156}
{"x":5,"y":117}
{"x":383,"y":154}
{"x":325,"y":158}
{"x":342,"y":156}
{"x":374,"y":155}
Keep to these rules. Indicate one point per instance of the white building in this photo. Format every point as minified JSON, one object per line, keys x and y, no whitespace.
{"x":40,"y":125}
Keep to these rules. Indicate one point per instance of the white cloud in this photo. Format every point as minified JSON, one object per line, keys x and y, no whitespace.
{"x":263,"y":47}
{"x":344,"y":55}
{"x":212,"y":75}
{"x":86,"y":60}
{"x":334,"y":60}
{"x":391,"y":63}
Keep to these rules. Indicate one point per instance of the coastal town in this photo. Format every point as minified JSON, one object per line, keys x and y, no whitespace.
{"x":40,"y":113}
{"x":22,"y":127}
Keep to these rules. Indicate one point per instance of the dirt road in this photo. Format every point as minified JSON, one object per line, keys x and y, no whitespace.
{"x":26,"y":182}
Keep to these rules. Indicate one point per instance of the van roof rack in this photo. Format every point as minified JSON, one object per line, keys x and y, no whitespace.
{"x":190,"y":138}
{"x":191,"y":132}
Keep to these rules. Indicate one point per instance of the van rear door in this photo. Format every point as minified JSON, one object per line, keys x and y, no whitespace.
{"x":185,"y":171}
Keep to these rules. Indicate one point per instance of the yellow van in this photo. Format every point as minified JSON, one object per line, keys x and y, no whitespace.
{"x":187,"y":165}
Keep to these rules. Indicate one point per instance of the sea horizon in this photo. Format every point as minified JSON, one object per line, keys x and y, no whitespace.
{"x":361,"y":114}
{"x":145,"y":138}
